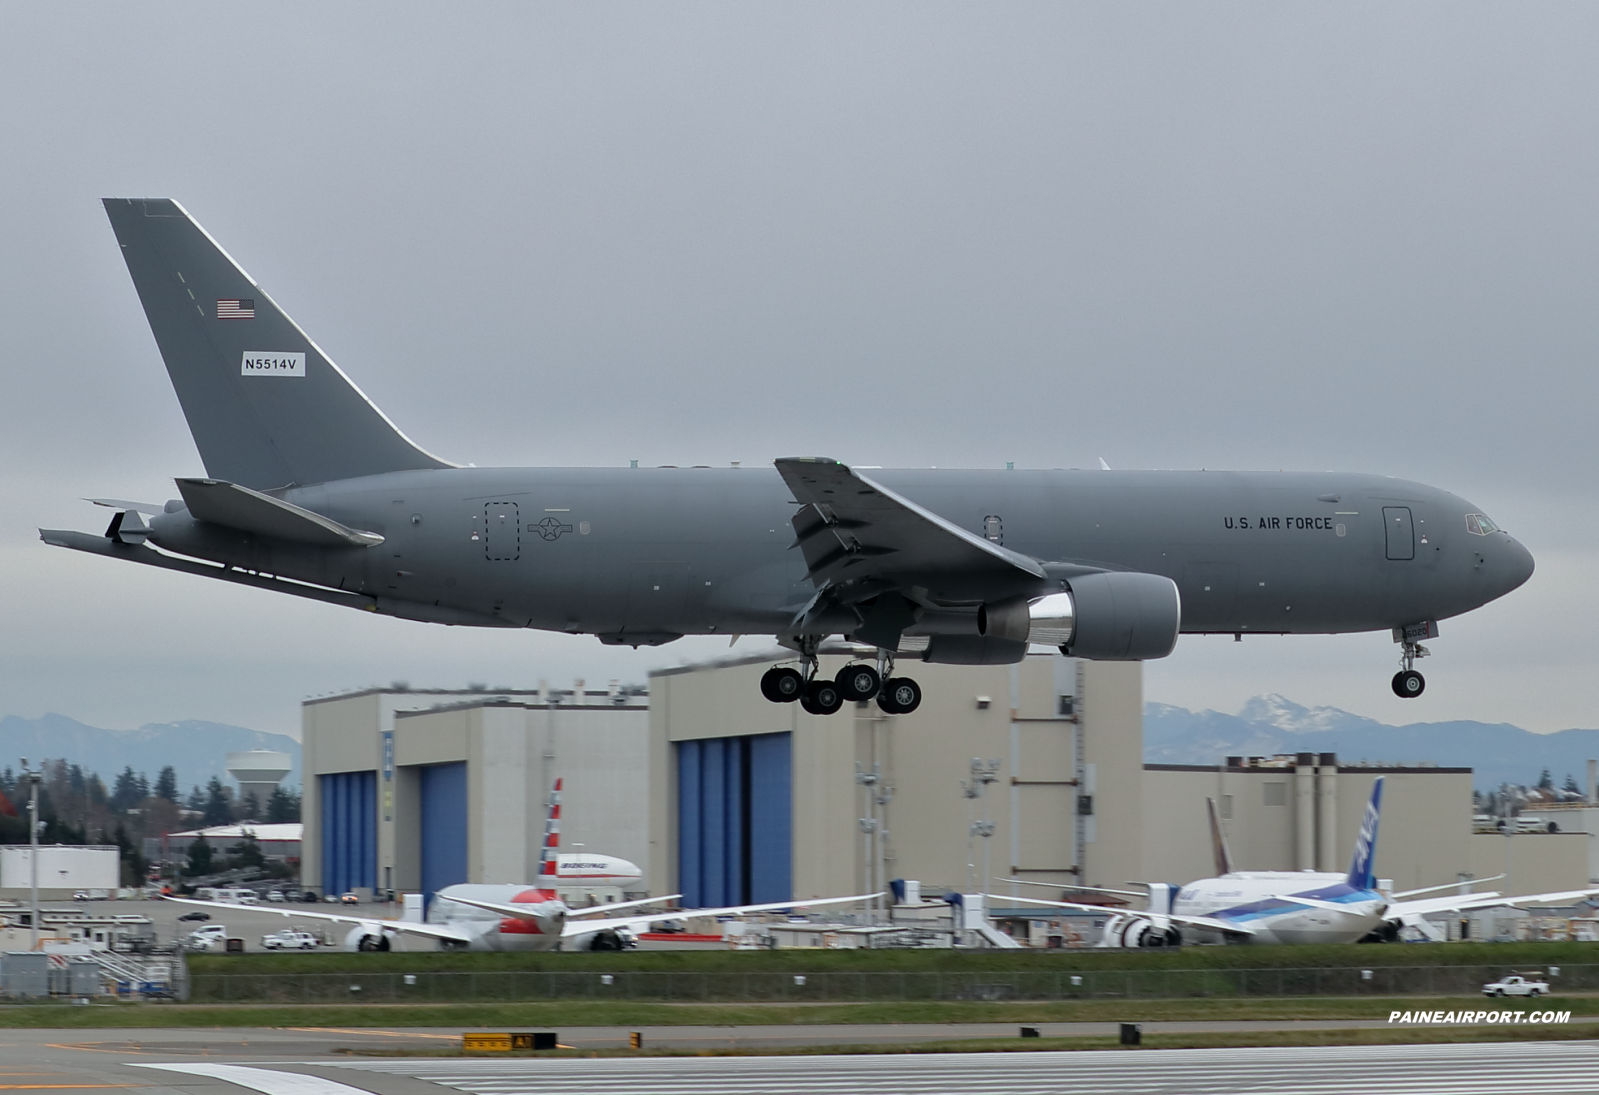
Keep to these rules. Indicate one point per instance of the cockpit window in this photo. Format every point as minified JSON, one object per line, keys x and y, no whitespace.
{"x":1479,"y":525}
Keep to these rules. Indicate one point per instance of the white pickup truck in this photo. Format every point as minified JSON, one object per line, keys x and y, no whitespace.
{"x":1518,"y":985}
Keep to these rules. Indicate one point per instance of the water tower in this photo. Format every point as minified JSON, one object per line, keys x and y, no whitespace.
{"x":259,"y":771}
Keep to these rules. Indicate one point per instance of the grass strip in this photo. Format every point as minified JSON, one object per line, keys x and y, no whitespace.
{"x":626,"y":1014}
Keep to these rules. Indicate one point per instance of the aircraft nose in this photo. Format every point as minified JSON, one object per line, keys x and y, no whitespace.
{"x":1518,"y":565}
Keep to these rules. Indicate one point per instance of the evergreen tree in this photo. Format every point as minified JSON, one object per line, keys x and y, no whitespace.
{"x":199,"y":857}
{"x":1571,"y":785}
{"x":196,"y":800}
{"x":1546,"y":781}
{"x":142,"y":785}
{"x":250,"y":808}
{"x":166,"y":784}
{"x":125,"y":792}
{"x":134,"y":866}
{"x":246,"y":853}
{"x":282,"y":806}
{"x":218,"y":810}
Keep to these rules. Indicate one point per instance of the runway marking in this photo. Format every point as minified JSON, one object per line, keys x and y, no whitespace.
{"x":265,"y":1080}
{"x":368,"y":1030}
{"x":68,"y":1087}
{"x":1439,"y":1069}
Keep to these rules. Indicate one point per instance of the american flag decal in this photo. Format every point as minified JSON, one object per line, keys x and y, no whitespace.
{"x":235,"y":309}
{"x":552,"y":836}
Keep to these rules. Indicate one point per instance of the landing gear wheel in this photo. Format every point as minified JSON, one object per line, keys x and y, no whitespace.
{"x":782,"y":684}
{"x":822,"y":698}
{"x":1408,"y":684}
{"x":858,"y":682}
{"x":900,"y":696}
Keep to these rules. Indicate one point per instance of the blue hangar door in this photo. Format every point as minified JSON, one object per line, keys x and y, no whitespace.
{"x":349,"y":808}
{"x":735,"y":822}
{"x":443,"y":792}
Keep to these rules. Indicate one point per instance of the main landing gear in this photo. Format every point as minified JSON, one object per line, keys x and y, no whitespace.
{"x":1408,"y":684}
{"x":857,"y":682}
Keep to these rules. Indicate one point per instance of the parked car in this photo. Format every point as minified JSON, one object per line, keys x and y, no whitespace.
{"x":1518,"y":985}
{"x":276,"y":897}
{"x":308,"y":897}
{"x":289,"y":939}
{"x":349,"y":898}
{"x":211,"y":937}
{"x":195,"y":915}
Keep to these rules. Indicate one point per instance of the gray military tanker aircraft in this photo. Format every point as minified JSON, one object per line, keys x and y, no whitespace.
{"x":312,"y":491}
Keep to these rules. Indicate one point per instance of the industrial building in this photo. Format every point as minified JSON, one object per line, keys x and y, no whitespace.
{"x":756,"y":801}
{"x":64,"y":869}
{"x":417,"y":789}
{"x":1031,"y":771}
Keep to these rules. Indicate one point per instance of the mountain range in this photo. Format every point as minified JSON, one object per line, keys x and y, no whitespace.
{"x":196,"y":750}
{"x":1497,"y":752}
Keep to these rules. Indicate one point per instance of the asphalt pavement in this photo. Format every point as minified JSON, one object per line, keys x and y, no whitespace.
{"x":318,"y":1062}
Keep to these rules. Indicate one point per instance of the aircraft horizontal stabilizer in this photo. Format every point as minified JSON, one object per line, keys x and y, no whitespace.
{"x":149,"y":508}
{"x":233,"y":506}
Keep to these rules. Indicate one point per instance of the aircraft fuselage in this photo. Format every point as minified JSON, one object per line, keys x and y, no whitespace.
{"x":643,"y":555}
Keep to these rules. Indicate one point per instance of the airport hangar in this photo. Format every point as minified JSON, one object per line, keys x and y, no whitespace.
{"x":726,"y":798}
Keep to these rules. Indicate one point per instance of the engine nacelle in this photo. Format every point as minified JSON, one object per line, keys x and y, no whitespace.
{"x":365,"y":937}
{"x":1112,"y":616}
{"x":1141,"y":931}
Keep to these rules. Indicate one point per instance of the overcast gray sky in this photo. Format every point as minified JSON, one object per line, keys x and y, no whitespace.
{"x":1308,"y":236}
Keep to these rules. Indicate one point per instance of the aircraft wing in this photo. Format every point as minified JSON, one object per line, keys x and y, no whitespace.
{"x":1462,"y":902}
{"x":431,"y":931}
{"x":851,"y":529}
{"x":583,"y":927}
{"x":529,"y":912}
{"x":1446,"y":886}
{"x":1074,"y":886}
{"x":1208,"y":922}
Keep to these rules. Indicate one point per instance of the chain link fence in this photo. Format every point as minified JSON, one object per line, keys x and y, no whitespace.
{"x":509,"y":986}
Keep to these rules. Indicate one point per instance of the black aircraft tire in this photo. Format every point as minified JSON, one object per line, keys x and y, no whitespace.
{"x":822,"y":697}
{"x":858,"y":682}
{"x":782,"y":684}
{"x":1408,"y":684}
{"x":900,"y":696}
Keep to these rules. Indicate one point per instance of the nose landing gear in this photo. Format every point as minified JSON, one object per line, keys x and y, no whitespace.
{"x":1407,"y":683}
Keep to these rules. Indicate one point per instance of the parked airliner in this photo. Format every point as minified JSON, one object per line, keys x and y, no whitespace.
{"x":499,"y":917}
{"x":1286,"y":906}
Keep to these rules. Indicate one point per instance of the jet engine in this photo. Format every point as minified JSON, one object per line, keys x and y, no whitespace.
{"x":1122,"y":930}
{"x":366,"y":937}
{"x":1109,"y":616}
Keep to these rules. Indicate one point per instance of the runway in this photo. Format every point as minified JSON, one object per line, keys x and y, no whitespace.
{"x":308,"y":1062}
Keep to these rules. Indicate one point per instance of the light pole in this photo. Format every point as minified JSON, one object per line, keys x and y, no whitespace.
{"x":983,"y":772}
{"x":33,"y":779}
{"x":868,"y":826}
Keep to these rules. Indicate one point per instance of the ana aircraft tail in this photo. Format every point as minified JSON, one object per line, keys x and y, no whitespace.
{"x":1360,"y":874}
{"x":1218,"y":841}
{"x":266,"y":407}
{"x":548,"y":862}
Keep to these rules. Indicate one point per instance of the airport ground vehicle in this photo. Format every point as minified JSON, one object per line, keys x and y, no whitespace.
{"x":289,"y":939}
{"x":276,"y":897}
{"x":195,"y":915}
{"x":1518,"y":984}
{"x":208,"y":937}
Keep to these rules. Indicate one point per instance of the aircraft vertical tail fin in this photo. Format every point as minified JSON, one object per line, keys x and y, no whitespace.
{"x":265,"y":405}
{"x":549,"y":864}
{"x":1218,"y":842}
{"x":1360,"y":867}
